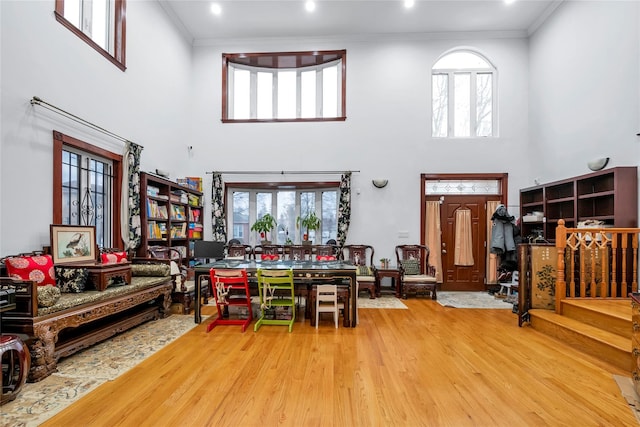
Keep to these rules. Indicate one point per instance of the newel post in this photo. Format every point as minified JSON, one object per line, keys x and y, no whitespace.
{"x":561,"y":244}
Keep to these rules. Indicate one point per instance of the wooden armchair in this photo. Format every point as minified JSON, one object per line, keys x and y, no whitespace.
{"x":183,"y":290}
{"x":362,"y":257}
{"x":417,"y":276}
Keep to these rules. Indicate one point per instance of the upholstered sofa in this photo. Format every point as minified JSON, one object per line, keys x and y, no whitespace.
{"x":72,"y":321}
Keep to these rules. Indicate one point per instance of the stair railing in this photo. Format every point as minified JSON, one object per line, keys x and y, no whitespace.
{"x":596,"y":262}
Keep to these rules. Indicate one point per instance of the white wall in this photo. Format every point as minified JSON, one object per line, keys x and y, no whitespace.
{"x":386,"y":134}
{"x":169,"y":98}
{"x":585,"y":86}
{"x":148,"y":104}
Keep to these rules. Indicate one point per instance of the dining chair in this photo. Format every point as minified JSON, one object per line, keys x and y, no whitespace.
{"x":326,"y":301}
{"x":362,"y":257}
{"x":277,"y":298}
{"x":268,"y":252}
{"x":231,"y":289}
{"x":417,"y":276}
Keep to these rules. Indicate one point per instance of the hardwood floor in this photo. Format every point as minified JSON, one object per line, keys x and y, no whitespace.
{"x":429,"y":365}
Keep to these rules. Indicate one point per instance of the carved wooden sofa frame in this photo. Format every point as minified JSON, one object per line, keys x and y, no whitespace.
{"x":78,"y":321}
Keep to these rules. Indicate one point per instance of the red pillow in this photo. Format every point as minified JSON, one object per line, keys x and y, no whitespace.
{"x":114,"y":257}
{"x":37,"y":268}
{"x":325,"y":258}
{"x":269,"y":257}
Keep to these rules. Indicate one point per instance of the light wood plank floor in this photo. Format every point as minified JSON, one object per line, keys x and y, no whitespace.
{"x":426,"y":366}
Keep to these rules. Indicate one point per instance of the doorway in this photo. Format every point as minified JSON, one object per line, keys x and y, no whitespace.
{"x":470,"y":193}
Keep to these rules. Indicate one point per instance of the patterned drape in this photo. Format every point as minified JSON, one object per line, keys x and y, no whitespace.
{"x":344,"y":210}
{"x":218,"y":221}
{"x":130,"y":207}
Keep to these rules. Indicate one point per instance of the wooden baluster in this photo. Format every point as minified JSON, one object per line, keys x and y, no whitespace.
{"x":634,"y":284}
{"x":614,"y":263}
{"x":561,"y":243}
{"x":604,"y":262}
{"x":572,"y":272}
{"x":623,"y":285}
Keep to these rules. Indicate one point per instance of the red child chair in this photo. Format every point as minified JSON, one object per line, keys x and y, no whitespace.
{"x":230,"y":288}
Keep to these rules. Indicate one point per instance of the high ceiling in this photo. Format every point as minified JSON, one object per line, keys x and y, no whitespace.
{"x":258,"y":19}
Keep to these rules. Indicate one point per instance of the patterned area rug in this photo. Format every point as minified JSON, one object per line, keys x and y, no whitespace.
{"x":84,"y":371}
{"x":471,"y":300}
{"x":385,"y":301}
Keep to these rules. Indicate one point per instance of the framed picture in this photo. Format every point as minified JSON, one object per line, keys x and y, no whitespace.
{"x":73,"y":243}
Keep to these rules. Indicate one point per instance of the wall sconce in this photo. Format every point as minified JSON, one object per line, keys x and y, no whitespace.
{"x":598,"y":164}
{"x":380,"y":183}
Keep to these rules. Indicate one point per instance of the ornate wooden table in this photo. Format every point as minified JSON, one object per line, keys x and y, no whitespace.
{"x":394,"y":274}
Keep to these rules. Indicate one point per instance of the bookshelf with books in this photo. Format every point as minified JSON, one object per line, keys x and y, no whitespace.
{"x":171,"y":215}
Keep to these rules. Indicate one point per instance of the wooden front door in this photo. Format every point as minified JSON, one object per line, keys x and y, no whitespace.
{"x":463,"y":277}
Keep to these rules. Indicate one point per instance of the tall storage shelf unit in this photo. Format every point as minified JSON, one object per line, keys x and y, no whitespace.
{"x":166,"y":215}
{"x":609,"y":195}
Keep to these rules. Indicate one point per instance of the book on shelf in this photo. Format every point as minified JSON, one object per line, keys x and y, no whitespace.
{"x":155,"y":210}
{"x":179,"y":231}
{"x":157,"y":230}
{"x":178,"y":213}
{"x":194,"y":215}
{"x":191,"y":182}
{"x":179,"y":196}
{"x":194,"y":200}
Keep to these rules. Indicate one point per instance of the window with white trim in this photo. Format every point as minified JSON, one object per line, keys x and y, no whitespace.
{"x":463,"y":96}
{"x":288,"y":86}
{"x":245,"y":205}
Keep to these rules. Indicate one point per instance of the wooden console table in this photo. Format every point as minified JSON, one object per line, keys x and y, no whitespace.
{"x":394,"y":274}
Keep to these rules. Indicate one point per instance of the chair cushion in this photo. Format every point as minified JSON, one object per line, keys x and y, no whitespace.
{"x":365,"y":279}
{"x":269,"y":257}
{"x":37,"y":268}
{"x":71,"y":280}
{"x":113,"y":257}
{"x":325,"y":258}
{"x":411,"y":266}
{"x":419,"y":278}
{"x":364,"y":270}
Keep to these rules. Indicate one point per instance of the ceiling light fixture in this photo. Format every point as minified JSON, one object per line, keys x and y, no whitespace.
{"x":310,"y":5}
{"x":509,"y":1}
{"x":409,"y":3}
{"x":216,"y":9}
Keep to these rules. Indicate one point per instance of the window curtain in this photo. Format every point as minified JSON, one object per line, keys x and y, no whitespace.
{"x":344,"y":210}
{"x":492,"y":259}
{"x":463,"y":255}
{"x":218,"y":221}
{"x":131,"y":231}
{"x":433,"y":237}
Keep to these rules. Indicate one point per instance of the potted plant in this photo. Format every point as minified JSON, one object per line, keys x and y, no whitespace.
{"x":309,"y":222}
{"x":263,"y":226}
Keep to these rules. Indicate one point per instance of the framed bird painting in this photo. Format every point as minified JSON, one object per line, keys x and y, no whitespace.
{"x":73,"y":243}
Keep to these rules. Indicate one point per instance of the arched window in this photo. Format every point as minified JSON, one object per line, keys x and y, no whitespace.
{"x":463,"y":101}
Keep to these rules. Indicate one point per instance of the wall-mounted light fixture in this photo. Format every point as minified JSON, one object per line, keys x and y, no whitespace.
{"x":598,"y":164}
{"x":380,"y":183}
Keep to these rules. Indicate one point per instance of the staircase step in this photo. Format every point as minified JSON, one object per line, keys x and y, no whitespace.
{"x":606,"y":346}
{"x":613,"y":315}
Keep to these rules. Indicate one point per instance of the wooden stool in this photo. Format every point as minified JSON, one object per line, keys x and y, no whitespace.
{"x":16,"y":361}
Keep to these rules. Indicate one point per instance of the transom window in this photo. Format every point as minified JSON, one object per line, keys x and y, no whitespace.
{"x":463,"y":87}
{"x":290,"y":86}
{"x":100,"y":23}
{"x":245,"y":205}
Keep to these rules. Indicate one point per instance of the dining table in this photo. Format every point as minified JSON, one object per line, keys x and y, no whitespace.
{"x":304,"y":272}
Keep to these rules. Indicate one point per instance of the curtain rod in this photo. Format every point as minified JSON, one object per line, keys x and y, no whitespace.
{"x":38,"y":101}
{"x":281,"y":172}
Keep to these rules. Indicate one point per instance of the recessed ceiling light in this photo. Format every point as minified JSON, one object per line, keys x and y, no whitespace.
{"x":216,"y":9}
{"x":409,"y":3}
{"x":509,"y":1}
{"x":310,"y":5}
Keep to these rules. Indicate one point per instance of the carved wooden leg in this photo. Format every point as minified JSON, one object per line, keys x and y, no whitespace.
{"x":42,"y":349}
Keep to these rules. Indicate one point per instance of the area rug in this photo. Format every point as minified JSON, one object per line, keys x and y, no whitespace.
{"x":471,"y":300}
{"x":384,"y":301}
{"x":629,"y":394}
{"x":84,"y":371}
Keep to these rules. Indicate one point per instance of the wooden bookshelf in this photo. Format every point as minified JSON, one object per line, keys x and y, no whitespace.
{"x":609,"y":195}
{"x":170,"y":213}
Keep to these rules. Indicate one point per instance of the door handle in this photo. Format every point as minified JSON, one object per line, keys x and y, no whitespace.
{"x":444,"y":251}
